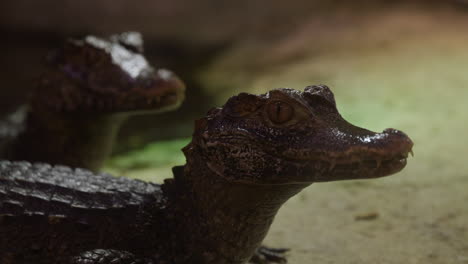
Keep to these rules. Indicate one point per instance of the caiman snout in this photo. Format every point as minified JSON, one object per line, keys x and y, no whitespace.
{"x":356,"y":153}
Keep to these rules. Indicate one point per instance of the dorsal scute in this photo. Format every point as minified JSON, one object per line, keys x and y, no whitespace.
{"x":28,"y":189}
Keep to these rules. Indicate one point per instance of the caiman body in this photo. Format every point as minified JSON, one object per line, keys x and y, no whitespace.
{"x":245,"y":160}
{"x":51,"y":213}
{"x":88,"y":89}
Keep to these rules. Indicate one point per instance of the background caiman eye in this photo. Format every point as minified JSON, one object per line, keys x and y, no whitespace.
{"x":279,"y":112}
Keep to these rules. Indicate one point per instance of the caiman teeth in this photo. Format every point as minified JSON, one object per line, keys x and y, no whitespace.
{"x":412,"y":153}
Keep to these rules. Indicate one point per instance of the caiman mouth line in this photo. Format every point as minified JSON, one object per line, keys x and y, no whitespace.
{"x":360,"y":162}
{"x":363,"y":161}
{"x":358,"y":154}
{"x":367,"y":168}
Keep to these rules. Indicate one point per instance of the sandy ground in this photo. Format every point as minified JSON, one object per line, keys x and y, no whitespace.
{"x":405,"y":69}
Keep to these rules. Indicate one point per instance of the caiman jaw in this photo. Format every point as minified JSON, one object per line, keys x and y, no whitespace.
{"x":379,"y":155}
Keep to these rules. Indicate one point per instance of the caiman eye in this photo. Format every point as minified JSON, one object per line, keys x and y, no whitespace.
{"x":279,"y":112}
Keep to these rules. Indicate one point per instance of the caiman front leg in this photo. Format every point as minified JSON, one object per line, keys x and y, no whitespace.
{"x":108,"y":256}
{"x":266,"y":255}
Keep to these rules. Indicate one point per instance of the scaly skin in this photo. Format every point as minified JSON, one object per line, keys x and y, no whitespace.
{"x":89,"y":88}
{"x":245,"y":160}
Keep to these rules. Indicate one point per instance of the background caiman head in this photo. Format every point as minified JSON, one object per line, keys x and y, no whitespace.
{"x":287,"y":137}
{"x":96,"y":75}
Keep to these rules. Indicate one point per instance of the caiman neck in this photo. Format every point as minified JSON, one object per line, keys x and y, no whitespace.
{"x":73,"y":139}
{"x":230,"y":219}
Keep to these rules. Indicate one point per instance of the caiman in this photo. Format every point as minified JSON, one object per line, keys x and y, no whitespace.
{"x":245,"y":160}
{"x":88,"y":89}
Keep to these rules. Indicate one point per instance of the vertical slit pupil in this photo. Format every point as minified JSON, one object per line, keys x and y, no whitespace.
{"x":278,"y":110}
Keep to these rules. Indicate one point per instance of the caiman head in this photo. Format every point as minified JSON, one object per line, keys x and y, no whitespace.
{"x":96,"y":75}
{"x":291,"y":137}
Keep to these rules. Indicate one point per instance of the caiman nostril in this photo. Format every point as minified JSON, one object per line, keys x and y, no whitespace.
{"x":393,"y":131}
{"x":319,"y":92}
{"x":317,"y":89}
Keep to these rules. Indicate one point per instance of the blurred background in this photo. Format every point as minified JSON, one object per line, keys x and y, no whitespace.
{"x":400,"y":64}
